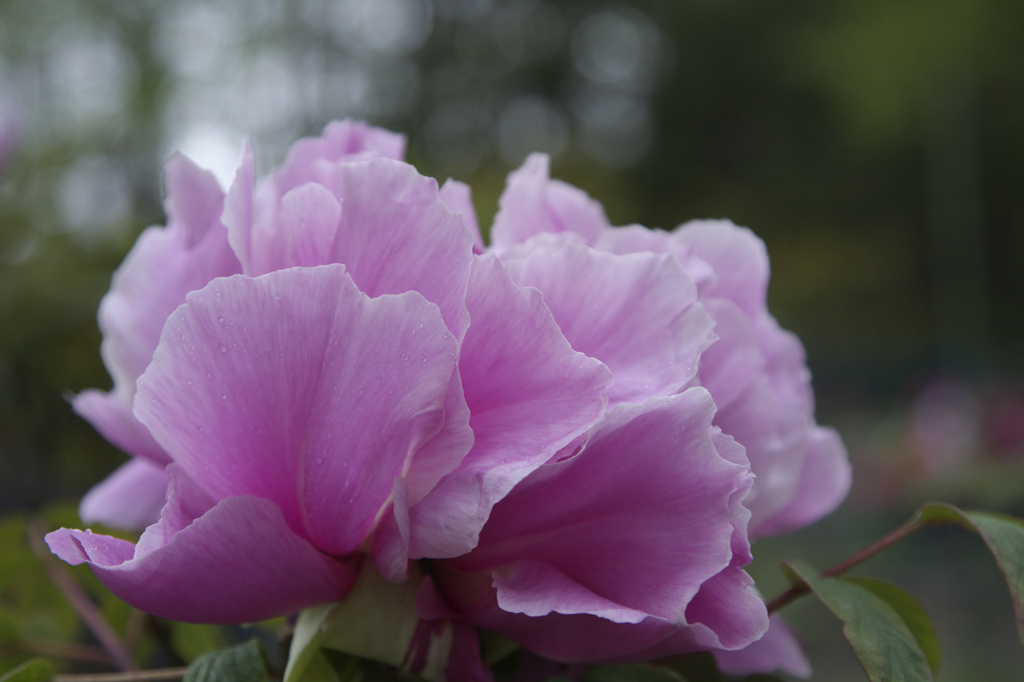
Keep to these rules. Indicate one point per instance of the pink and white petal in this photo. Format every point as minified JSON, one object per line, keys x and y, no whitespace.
{"x":786,"y":364}
{"x":152,"y":281}
{"x":644,"y":531}
{"x":529,"y":394}
{"x":443,"y":453}
{"x":734,"y":362}
{"x":298,"y":388}
{"x":734,"y":370}
{"x":635,"y":239}
{"x":194,"y":198}
{"x":238,"y":208}
{"x":536,"y":589}
{"x":729,"y":606}
{"x":237,"y":563}
{"x":777,"y":650}
{"x":584,"y":638}
{"x":300,"y":231}
{"x":340,"y":141}
{"x":738,"y":257}
{"x":396,"y":235}
{"x":824,"y":483}
{"x":130,"y":498}
{"x":533,"y":203}
{"x":457,"y":196}
{"x":637,"y":313}
{"x":186,"y":502}
{"x":111,"y":415}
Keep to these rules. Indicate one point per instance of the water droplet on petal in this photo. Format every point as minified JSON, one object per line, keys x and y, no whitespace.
{"x":223,"y":348}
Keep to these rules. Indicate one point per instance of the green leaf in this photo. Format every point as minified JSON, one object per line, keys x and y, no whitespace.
{"x":637,"y":672}
{"x":883,"y":642}
{"x":912,"y":613}
{"x":190,"y":641}
{"x":1004,"y":536}
{"x":240,"y":663}
{"x":36,"y":670}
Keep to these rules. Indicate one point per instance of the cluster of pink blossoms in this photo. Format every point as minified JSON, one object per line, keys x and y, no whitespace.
{"x":574,"y":432}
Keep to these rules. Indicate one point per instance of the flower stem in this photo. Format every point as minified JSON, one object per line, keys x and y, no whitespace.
{"x":134,"y":676}
{"x":80,"y":601}
{"x":852,"y":562}
{"x":65,"y":650}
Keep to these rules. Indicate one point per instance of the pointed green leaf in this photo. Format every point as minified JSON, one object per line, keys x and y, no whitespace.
{"x":637,"y":672}
{"x":912,"y":613}
{"x":1004,"y":536}
{"x":240,"y":663}
{"x":36,"y":670}
{"x":882,"y":641}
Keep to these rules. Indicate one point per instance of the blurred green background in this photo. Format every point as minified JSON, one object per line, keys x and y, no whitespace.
{"x":876,"y":145}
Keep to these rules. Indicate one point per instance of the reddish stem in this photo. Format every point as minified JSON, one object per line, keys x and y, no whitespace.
{"x":852,"y":562}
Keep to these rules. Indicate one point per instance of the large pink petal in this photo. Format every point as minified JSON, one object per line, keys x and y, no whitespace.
{"x":129,"y":498}
{"x":577,"y":638}
{"x":529,"y":395}
{"x":637,"y":313}
{"x":298,"y":388}
{"x":537,"y":589}
{"x":237,"y":563}
{"x":738,"y":257}
{"x":163,"y":266}
{"x":300,"y":230}
{"x":533,"y":203}
{"x":643,"y":515}
{"x":734,"y":369}
{"x":824,"y":482}
{"x":396,"y":235}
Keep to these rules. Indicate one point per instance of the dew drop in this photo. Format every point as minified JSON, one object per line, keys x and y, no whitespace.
{"x":223,"y":396}
{"x":223,"y":348}
{"x":319,"y":460}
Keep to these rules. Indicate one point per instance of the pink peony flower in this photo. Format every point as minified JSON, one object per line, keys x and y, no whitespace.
{"x":564,"y":562}
{"x":580,"y":428}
